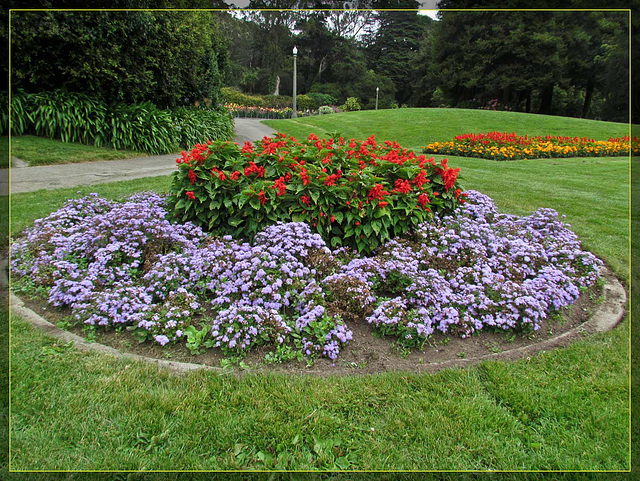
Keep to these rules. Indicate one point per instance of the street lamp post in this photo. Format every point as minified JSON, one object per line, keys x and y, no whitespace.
{"x":377,"y":90}
{"x":294,"y":114}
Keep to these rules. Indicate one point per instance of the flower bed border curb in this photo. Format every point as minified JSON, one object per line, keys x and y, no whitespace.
{"x":606,"y":316}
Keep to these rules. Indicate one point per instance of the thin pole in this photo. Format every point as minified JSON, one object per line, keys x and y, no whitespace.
{"x":377,"y":90}
{"x":294,"y":114}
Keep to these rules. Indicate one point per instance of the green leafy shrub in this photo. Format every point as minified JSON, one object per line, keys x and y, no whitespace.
{"x":117,"y":56}
{"x":353,"y":193}
{"x":320,"y":99}
{"x":197,"y":125}
{"x":304,"y":102}
{"x":277,"y":101}
{"x":21,"y":120}
{"x":325,"y":109}
{"x":350,"y":105}
{"x":234,"y":96}
{"x":143,"y":127}
{"x":71,"y":117}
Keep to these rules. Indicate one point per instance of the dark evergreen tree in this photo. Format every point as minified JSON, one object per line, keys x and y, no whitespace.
{"x":394,"y":49}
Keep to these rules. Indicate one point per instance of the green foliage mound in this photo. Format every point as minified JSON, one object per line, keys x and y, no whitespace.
{"x":353,"y":193}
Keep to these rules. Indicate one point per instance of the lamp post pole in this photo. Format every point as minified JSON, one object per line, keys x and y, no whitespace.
{"x":377,"y":90}
{"x":294,"y":114}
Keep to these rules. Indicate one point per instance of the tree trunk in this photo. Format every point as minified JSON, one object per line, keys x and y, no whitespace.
{"x":586,"y":107}
{"x":527,"y":107}
{"x":546,"y":96}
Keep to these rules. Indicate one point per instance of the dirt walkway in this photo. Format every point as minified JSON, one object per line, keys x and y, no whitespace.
{"x":48,"y":177}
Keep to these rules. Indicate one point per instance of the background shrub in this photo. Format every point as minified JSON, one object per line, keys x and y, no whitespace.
{"x":350,"y":105}
{"x":304,"y":102}
{"x":353,"y":193}
{"x":320,"y":99}
{"x":325,"y":109}
{"x":234,"y":96}
{"x":277,"y":101}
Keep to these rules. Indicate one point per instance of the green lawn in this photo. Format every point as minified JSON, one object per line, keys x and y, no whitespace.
{"x":562,"y":410}
{"x":414,"y":128}
{"x":42,"y":151}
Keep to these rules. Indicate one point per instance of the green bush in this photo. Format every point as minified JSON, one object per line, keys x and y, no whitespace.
{"x":234,"y":96}
{"x":320,"y":99}
{"x":325,"y":109}
{"x":304,"y":102}
{"x":350,"y":105}
{"x":70,"y":117}
{"x":163,"y":57}
{"x":353,"y":193}
{"x":21,"y":121}
{"x":277,"y":101}
{"x":333,"y":90}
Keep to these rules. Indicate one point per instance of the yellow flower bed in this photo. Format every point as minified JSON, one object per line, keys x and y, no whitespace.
{"x":505,"y":146}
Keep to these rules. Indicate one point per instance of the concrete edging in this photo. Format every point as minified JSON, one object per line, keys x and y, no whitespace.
{"x":606,"y":316}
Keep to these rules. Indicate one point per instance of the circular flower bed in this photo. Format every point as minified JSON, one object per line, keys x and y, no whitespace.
{"x":124,"y":266}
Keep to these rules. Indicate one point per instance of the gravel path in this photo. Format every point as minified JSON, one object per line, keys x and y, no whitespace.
{"x":30,"y":179}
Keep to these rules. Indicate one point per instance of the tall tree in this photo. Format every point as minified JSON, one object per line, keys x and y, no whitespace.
{"x":394,"y":48}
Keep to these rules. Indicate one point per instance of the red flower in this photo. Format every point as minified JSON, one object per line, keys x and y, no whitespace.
{"x":423,"y":200}
{"x":235,"y":175}
{"x":304,"y":176}
{"x":377,"y":192}
{"x":332,"y":219}
{"x":305,"y":199}
{"x":357,"y":223}
{"x":449,"y":176}
{"x":254,"y":169}
{"x":221,"y":176}
{"x":248,"y":148}
{"x":331,"y":179}
{"x":192,"y":177}
{"x":382,"y":204}
{"x":402,"y":186}
{"x":280,"y":186}
{"x":190,"y":195}
{"x":421,"y":179}
{"x":262,"y":197}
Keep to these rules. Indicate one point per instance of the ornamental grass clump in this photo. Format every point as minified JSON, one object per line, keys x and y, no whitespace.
{"x":357,"y":194}
{"x":124,"y":265}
